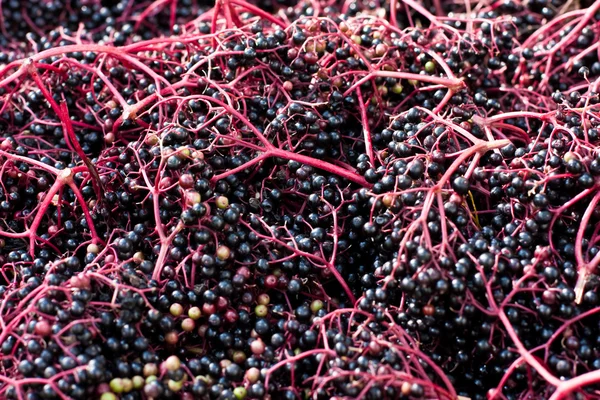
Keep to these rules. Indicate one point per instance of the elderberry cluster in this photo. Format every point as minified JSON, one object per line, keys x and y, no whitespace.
{"x":294,"y":200}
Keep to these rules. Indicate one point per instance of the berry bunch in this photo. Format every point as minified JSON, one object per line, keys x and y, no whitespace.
{"x":395,"y":199}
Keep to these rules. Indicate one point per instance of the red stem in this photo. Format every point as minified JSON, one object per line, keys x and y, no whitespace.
{"x":63,"y":115}
{"x":565,"y":388}
{"x":583,"y":268}
{"x":589,"y":14}
{"x":365,"y":126}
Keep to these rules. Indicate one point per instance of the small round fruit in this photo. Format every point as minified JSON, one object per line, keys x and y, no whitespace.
{"x":172,"y":363}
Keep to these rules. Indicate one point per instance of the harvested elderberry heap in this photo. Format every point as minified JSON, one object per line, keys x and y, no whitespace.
{"x":273,"y":199}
